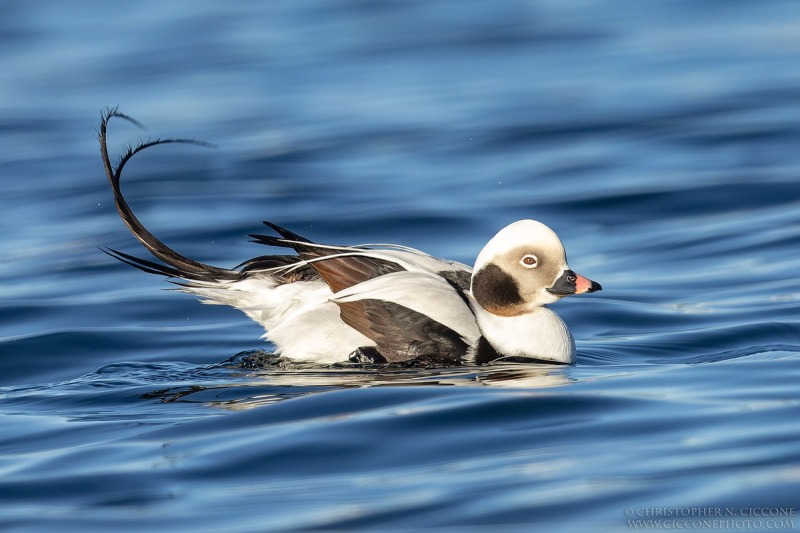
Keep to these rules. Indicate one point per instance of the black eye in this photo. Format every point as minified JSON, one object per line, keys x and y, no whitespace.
{"x":529,"y":261}
{"x":572,"y":279}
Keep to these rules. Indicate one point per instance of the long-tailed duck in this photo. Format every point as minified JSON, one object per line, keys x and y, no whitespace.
{"x":381,"y":303}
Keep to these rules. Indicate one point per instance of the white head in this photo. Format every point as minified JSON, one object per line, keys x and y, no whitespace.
{"x":522,"y":268}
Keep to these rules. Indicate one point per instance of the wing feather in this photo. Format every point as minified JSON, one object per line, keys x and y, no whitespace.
{"x":411,"y":315}
{"x":402,"y":334}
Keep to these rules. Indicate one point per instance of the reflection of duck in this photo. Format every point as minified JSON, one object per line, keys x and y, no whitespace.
{"x":386,"y":302}
{"x":276,"y":384}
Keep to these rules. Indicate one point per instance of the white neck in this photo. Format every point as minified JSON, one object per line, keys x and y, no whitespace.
{"x":539,"y":334}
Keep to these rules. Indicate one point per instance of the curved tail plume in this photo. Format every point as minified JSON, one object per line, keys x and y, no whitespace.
{"x":178,"y":265}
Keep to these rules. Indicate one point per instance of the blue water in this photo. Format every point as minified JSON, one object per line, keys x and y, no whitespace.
{"x":660,"y":139}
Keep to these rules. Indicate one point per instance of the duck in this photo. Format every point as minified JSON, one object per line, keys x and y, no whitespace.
{"x":379,"y":304}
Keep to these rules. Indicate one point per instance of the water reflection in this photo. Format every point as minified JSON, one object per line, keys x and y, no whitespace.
{"x":284,"y":380}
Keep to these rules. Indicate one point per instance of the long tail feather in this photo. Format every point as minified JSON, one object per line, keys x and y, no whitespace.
{"x":179,"y":265}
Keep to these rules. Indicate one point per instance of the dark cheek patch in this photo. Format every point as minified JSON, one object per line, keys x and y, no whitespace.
{"x":494,"y":289}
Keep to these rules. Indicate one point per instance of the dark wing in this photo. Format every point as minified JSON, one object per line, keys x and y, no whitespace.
{"x":339,"y":272}
{"x":286,"y":268}
{"x":458,"y":279}
{"x":402,"y":334}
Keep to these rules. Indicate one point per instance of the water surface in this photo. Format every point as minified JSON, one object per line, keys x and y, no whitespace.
{"x":659,"y":139}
